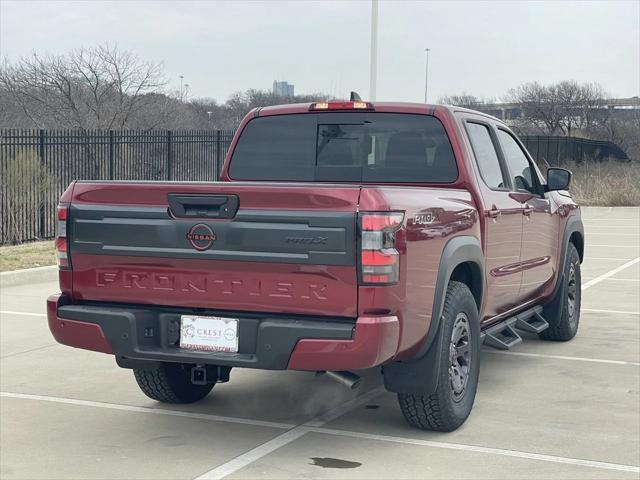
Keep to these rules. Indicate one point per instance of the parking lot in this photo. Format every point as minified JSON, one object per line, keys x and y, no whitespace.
{"x":543,"y":409}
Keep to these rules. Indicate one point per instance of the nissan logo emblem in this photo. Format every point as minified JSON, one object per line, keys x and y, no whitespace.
{"x":201,"y":236}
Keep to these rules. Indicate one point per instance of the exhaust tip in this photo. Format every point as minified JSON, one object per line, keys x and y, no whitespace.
{"x":348,"y":379}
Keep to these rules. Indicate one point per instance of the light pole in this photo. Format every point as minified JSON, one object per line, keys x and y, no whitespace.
{"x":374,"y":50}
{"x":181,"y":80}
{"x":426,"y":74}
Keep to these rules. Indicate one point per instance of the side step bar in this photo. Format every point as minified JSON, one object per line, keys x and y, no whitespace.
{"x":531,"y":322}
{"x":503,"y":335}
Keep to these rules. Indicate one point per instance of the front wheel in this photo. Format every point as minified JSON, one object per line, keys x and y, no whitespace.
{"x":563,"y":312}
{"x":170,"y":383}
{"x":450,"y":405}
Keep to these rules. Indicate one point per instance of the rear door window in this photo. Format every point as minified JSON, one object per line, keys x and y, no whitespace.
{"x":362,"y":147}
{"x":486,"y":155}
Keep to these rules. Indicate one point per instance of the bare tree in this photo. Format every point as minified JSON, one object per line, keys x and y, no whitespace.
{"x":561,"y":108}
{"x":229,"y":115}
{"x":566,"y":96}
{"x":97,"y":87}
{"x":593,"y":101}
{"x":539,"y":106}
{"x":463,"y":100}
{"x":624,"y":131}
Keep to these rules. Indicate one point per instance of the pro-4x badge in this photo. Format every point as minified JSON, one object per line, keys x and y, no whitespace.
{"x":201,"y":236}
{"x":424,"y":219}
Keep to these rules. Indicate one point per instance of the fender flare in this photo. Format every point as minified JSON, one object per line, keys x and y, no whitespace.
{"x":573,"y":225}
{"x":458,"y":250}
{"x":420,"y":375}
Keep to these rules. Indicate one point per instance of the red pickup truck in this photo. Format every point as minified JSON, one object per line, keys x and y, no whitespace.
{"x":342,"y":236}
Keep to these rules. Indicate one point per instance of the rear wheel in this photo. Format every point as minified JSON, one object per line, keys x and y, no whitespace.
{"x":450,"y":405}
{"x":170,"y":383}
{"x":563,"y":312}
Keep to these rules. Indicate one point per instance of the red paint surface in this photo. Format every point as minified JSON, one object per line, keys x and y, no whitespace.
{"x":223,"y":285}
{"x":88,"y":336}
{"x":375,"y":341}
{"x":258,"y":195}
{"x":219,"y":284}
{"x":420,"y":247}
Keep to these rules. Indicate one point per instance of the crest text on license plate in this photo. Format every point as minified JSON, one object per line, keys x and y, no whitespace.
{"x":214,"y":334}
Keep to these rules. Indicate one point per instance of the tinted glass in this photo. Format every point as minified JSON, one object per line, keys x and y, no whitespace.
{"x":280,"y":147}
{"x":486,"y":155}
{"x":375,"y":147}
{"x":518,"y":163}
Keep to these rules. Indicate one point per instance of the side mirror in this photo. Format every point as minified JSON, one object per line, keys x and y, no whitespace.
{"x":558,"y":179}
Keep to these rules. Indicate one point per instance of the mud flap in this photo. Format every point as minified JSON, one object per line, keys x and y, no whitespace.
{"x":418,"y":377}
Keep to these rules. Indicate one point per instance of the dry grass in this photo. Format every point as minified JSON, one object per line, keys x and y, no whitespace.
{"x":607,"y":184}
{"x":27,"y":255}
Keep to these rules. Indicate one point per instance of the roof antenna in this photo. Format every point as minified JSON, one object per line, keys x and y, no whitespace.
{"x":354,"y":97}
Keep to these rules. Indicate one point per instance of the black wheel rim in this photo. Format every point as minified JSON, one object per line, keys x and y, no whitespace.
{"x":572,"y":293}
{"x":459,"y":356}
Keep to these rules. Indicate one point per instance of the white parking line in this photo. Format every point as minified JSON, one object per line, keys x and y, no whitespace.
{"x":615,"y":234}
{"x":260,"y":451}
{"x":612,"y":246}
{"x":610,"y":273}
{"x":254,"y":454}
{"x":597,"y":310}
{"x":616,"y":279}
{"x":589,"y":233}
{"x":562,"y":357}
{"x":8,"y":312}
{"x":606,"y":258}
{"x":157,"y":411}
{"x":315,"y":425}
{"x":593,"y":227}
{"x":478,"y":449}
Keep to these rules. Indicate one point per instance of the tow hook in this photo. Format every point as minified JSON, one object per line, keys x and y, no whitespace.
{"x":205,"y":374}
{"x":348,"y":379}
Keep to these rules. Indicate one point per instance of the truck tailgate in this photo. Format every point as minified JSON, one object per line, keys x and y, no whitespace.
{"x":263,"y":247}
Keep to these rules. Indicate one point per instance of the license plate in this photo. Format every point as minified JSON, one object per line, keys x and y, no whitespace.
{"x":213,"y":334}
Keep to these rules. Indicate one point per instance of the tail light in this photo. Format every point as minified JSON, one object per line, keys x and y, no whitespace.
{"x":379,"y":261}
{"x":62,"y":246}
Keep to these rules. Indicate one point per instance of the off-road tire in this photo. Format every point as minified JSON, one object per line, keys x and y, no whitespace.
{"x":442,"y":411}
{"x":563,"y":312}
{"x":170,"y":383}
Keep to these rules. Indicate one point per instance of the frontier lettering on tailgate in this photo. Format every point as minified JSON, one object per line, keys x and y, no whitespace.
{"x":206,"y":284}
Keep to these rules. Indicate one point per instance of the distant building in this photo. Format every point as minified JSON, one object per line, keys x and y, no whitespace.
{"x":282,"y":89}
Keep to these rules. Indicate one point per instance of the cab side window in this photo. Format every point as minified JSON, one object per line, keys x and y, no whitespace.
{"x":524,"y":174}
{"x":486,"y":156}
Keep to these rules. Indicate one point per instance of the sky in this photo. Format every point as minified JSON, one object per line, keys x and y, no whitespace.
{"x":480,"y":47}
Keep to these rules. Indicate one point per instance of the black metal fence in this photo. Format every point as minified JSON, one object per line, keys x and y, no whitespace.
{"x":37,"y":165}
{"x":553,"y":150}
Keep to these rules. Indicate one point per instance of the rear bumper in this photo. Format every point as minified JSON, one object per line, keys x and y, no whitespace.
{"x":269,"y":342}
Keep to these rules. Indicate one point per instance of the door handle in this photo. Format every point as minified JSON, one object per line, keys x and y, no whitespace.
{"x":528,"y":210}
{"x":494,"y":212}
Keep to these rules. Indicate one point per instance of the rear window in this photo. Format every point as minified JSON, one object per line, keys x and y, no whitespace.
{"x":375,"y":147}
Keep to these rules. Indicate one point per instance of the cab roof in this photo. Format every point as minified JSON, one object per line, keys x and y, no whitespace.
{"x":388,"y":107}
